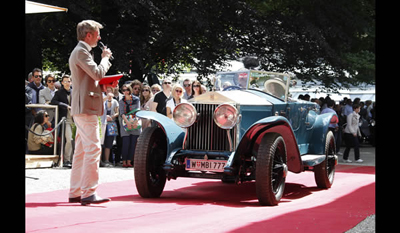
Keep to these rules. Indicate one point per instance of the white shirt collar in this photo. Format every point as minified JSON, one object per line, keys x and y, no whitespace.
{"x":86,"y":45}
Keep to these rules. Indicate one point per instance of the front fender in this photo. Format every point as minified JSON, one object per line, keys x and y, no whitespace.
{"x":320,"y":130}
{"x":275,"y":124}
{"x":174,"y":133}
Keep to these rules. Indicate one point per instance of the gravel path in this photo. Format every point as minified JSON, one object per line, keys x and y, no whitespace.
{"x":366,"y":226}
{"x":50,"y":179}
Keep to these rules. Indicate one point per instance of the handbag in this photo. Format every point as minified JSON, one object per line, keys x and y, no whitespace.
{"x":133,"y":119}
{"x":111,"y":129}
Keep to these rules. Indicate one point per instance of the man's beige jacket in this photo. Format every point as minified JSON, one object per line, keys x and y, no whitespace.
{"x":85,"y":74}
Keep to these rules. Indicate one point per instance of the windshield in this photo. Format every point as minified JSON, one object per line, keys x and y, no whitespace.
{"x":270,"y":82}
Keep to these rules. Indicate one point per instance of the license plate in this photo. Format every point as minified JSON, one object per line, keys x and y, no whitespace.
{"x":205,"y":165}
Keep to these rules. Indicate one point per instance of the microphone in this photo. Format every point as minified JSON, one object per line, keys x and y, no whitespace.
{"x":102,"y":48}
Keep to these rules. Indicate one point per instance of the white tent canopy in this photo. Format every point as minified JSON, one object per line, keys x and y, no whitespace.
{"x":364,"y":92}
{"x":34,"y":7}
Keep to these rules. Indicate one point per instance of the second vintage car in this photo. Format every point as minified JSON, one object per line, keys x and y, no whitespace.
{"x":246,"y":130}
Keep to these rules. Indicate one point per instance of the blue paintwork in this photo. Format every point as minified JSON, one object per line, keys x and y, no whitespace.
{"x":299,"y":123}
{"x":174,"y":133}
{"x":306,"y":129}
{"x":274,"y":124}
{"x":319,"y":132}
{"x":251,"y":114}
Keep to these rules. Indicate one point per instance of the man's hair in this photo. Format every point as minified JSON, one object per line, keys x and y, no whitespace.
{"x":87,"y":26}
{"x":330,"y":103}
{"x":136,"y":82}
{"x":64,"y":77}
{"x":36,"y":70}
{"x":49,"y":76}
{"x":30,"y":76}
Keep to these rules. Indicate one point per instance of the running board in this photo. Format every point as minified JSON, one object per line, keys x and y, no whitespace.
{"x":312,"y":160}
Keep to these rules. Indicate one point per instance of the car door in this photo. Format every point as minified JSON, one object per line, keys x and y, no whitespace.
{"x":293,"y":115}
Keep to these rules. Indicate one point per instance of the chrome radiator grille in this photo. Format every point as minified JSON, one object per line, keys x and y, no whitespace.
{"x":204,"y":134}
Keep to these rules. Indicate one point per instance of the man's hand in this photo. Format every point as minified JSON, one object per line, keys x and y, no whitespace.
{"x":106,"y":52}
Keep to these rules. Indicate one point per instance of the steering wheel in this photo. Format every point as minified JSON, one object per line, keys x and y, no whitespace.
{"x":232,"y":88}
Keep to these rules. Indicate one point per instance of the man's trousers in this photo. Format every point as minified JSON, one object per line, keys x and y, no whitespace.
{"x":85,"y":163}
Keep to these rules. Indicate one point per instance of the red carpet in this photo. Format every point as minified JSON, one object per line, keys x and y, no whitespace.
{"x":201,"y":205}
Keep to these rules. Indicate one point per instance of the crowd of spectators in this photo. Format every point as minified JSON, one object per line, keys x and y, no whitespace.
{"x":119,"y":147}
{"x":119,"y":103}
{"x":345,"y":106}
{"x":353,"y":115}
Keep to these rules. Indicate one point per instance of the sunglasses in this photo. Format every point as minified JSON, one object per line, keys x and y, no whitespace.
{"x":187,"y":85}
{"x":145,"y":90}
{"x":51,"y":81}
{"x":196,"y":85}
{"x":178,"y":91}
{"x":38,"y":76}
{"x":167,"y":83}
{"x":123,"y":90}
{"x":46,"y":115}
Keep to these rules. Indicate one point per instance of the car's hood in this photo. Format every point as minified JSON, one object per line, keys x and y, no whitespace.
{"x":241,"y":97}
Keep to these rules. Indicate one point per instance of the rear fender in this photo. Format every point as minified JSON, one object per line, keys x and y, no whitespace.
{"x":276,"y":124}
{"x":174,"y":133}
{"x":320,"y":130}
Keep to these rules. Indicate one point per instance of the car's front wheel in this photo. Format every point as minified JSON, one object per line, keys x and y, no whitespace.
{"x":150,"y":155}
{"x":271,"y":169}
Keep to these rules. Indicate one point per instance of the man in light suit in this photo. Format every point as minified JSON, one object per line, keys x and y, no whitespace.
{"x":86,"y":105}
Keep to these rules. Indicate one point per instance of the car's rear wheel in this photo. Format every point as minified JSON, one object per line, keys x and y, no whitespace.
{"x":271,"y":169}
{"x":150,"y":155}
{"x":324,"y":172}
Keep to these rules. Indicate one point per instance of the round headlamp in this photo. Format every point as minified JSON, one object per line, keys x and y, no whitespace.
{"x":226,"y":116}
{"x":184,"y":115}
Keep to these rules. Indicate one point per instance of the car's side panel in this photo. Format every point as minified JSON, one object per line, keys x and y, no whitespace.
{"x":302,"y":116}
{"x":174,"y":133}
{"x":274,"y":124}
{"x":251,"y":114}
{"x":320,"y":130}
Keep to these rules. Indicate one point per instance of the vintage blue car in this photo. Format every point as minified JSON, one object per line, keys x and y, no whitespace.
{"x":247,"y":129}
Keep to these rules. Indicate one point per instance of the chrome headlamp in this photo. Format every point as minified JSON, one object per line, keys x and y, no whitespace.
{"x":226,"y":116}
{"x":184,"y":115}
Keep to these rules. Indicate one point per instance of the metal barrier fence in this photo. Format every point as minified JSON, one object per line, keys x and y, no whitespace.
{"x":35,"y":161}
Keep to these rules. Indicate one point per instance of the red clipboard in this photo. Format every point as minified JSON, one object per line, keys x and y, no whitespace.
{"x":108,"y":79}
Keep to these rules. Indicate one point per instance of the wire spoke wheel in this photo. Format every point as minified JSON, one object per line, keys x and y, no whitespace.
{"x":149,"y":158}
{"x":324,"y":172}
{"x":271,"y":169}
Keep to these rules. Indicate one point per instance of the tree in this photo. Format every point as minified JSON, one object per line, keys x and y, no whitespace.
{"x":329,"y":41}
